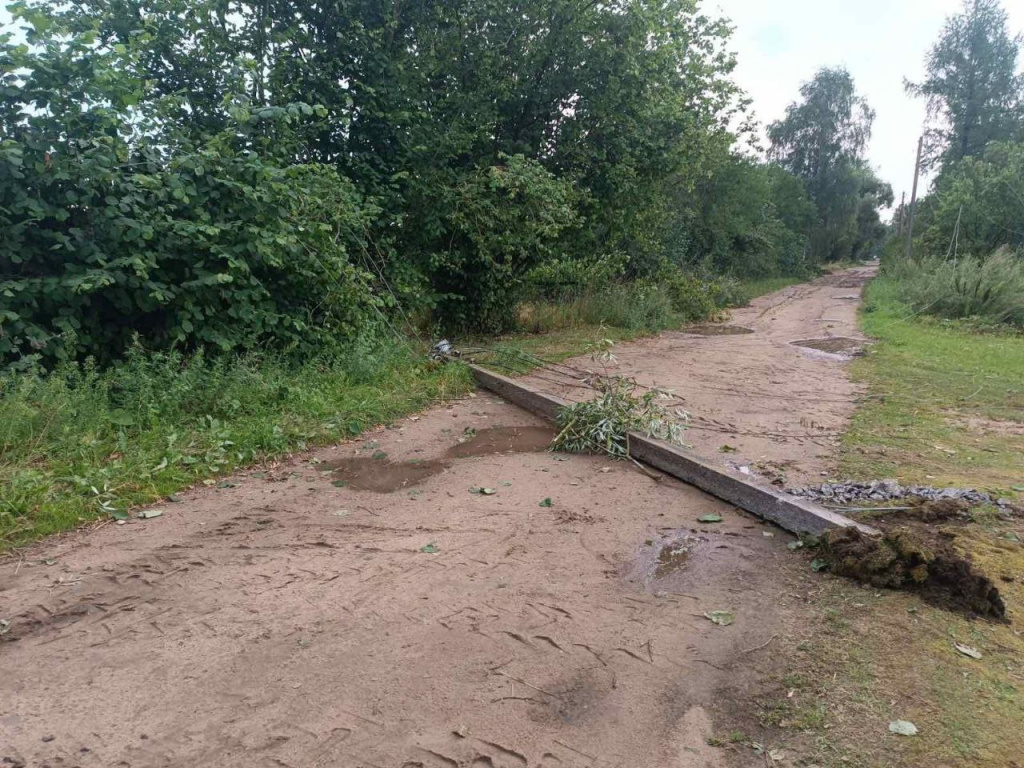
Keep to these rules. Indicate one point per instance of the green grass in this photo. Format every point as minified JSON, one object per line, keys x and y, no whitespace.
{"x":82,"y":444}
{"x":945,"y":405}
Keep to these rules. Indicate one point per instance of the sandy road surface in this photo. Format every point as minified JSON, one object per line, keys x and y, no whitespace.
{"x":288,"y":619}
{"x":776,"y":403}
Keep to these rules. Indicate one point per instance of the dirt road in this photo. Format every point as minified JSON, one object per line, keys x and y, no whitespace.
{"x":441,"y":593}
{"x":768,"y":388}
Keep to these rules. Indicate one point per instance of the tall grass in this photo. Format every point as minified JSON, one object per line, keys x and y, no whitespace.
{"x":990,"y":290}
{"x":81,"y":443}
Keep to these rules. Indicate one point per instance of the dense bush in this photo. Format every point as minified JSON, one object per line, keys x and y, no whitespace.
{"x":214,"y":249}
{"x":504,"y":220}
{"x":987,"y":289}
{"x":977,"y":204}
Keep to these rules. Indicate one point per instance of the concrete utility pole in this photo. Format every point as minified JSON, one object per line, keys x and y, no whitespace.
{"x":913,"y":199}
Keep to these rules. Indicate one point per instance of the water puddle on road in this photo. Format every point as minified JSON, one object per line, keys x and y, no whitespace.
{"x":661,"y":565}
{"x":380,"y":475}
{"x":836,"y":345}
{"x":714,"y":329}
{"x":494,"y":440}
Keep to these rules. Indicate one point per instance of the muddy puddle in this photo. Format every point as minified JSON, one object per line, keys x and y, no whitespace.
{"x":835,"y":345}
{"x":494,"y":440}
{"x":382,"y":475}
{"x":713,"y":329}
{"x":663,"y":563}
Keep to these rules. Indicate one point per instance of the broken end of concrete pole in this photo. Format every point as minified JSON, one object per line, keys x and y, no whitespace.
{"x":796,"y":515}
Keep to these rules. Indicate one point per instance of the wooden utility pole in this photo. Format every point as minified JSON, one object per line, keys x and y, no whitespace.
{"x":901,"y":212}
{"x":913,"y":199}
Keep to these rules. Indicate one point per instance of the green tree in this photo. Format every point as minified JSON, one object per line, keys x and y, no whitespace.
{"x":977,"y":204}
{"x":821,"y":141}
{"x":974,"y":92}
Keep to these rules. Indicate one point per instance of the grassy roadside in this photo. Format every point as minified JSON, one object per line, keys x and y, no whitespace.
{"x":81,"y":444}
{"x":943,"y":407}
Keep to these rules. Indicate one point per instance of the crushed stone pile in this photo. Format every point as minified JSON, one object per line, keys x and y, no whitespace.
{"x":891,"y":490}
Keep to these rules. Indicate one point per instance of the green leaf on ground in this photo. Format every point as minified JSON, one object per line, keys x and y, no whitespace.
{"x":728,"y":448}
{"x":339,"y":483}
{"x":967,"y":650}
{"x":430,"y":548}
{"x":483,"y":491}
{"x":903,"y":728}
{"x":546,"y":502}
{"x":712,"y":518}
{"x":721,"y":618}
{"x":819,"y":565}
{"x":379,"y":455}
{"x":149,"y":514}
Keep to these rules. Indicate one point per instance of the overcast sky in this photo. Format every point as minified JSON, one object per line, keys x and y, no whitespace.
{"x":780,"y":43}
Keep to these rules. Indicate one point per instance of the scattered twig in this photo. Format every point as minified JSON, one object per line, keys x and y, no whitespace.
{"x":573,"y":749}
{"x":759,"y":647}
{"x":528,"y":685}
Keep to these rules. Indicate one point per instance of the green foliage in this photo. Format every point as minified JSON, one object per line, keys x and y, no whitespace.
{"x":989,"y":289}
{"x":83,"y":443}
{"x":748,"y":218}
{"x":503,"y":221}
{"x":822,"y":141}
{"x":108,"y":235}
{"x":603,"y":424}
{"x":974,"y":92}
{"x":977,"y":204}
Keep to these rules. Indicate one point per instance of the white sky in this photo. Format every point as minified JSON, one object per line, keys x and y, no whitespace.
{"x":781,"y":43}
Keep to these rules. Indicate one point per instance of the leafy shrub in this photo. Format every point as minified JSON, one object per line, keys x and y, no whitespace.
{"x":502,"y":221}
{"x":694,"y":298}
{"x":213,"y":249}
{"x":990,"y":290}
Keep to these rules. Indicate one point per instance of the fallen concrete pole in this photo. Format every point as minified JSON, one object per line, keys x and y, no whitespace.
{"x":795,"y":515}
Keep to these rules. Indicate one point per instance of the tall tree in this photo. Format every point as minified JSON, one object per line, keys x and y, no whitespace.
{"x":974,"y":93}
{"x":822,"y":140}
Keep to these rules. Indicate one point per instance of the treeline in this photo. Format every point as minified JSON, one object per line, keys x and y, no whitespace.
{"x":975,"y":143}
{"x":968,"y":245}
{"x":237,"y":175}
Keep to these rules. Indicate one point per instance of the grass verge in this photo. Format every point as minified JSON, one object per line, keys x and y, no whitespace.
{"x":81,"y":444}
{"x":943,"y":406}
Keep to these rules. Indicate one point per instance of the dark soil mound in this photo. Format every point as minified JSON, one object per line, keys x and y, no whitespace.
{"x":902,"y":559}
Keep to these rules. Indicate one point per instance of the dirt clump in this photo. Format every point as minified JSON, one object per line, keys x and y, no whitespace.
{"x":942,"y":510}
{"x":904,"y":558}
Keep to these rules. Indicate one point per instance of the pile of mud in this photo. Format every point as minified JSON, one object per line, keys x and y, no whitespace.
{"x":918,"y":559}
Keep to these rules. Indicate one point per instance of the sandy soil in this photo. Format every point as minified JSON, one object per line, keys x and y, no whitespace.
{"x":757,"y":399}
{"x":318,"y":613}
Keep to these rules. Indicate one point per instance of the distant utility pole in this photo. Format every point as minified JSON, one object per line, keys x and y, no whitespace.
{"x":900,"y":213}
{"x":913,"y":199}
